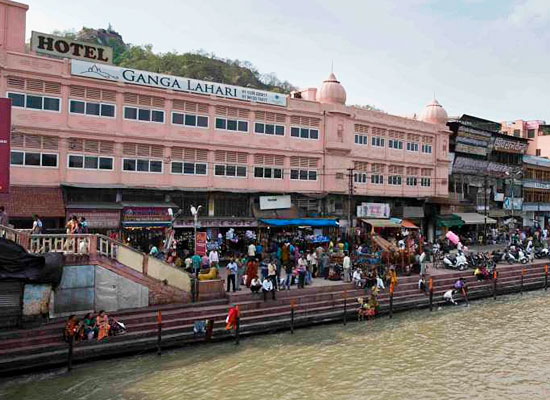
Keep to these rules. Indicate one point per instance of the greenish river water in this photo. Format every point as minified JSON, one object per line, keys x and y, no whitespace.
{"x":490,"y":350}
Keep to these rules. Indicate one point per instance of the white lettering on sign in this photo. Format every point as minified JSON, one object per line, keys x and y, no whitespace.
{"x":176,"y":83}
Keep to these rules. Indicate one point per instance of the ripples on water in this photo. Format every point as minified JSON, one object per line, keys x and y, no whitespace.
{"x":491,"y":350}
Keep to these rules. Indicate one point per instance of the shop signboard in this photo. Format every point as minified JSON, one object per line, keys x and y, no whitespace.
{"x":217,"y":223}
{"x":44,"y":43}
{"x":145,"y":214}
{"x":516,"y":203}
{"x":536,"y":185}
{"x":509,"y":146}
{"x":97,"y":219}
{"x":112,"y":73}
{"x":5,"y":131}
{"x":274,"y":202}
{"x":470,"y":149}
{"x":373,"y":210}
{"x":200,"y":243}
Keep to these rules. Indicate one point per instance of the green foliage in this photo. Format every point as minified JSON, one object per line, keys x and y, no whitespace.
{"x":196,"y":65}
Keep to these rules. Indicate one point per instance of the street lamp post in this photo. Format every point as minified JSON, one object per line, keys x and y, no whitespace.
{"x":195,"y":214}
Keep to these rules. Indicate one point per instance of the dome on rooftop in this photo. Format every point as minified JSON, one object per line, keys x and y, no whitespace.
{"x":434,"y":113}
{"x":331,"y":91}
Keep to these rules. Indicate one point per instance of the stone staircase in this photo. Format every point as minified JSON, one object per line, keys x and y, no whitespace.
{"x":43,"y":347}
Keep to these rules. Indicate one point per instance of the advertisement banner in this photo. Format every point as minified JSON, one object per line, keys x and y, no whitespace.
{"x":516,"y":203}
{"x":200,"y":243}
{"x":5,"y":131}
{"x":44,"y":43}
{"x":169,"y":82}
{"x":274,"y":202}
{"x":145,"y":214}
{"x":373,"y":210}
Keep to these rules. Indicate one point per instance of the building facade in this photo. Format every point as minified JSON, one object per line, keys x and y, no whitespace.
{"x":123,"y":153}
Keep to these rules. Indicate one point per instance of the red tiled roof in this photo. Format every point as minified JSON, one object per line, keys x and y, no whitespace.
{"x":24,"y":201}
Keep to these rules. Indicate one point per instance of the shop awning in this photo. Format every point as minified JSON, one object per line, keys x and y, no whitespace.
{"x":300,"y":222}
{"x":408,"y":224}
{"x":475,"y":218}
{"x":449,"y":221}
{"x":146,"y":224}
{"x":383,"y":223}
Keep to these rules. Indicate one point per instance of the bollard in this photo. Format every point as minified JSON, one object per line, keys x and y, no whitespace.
{"x":521,"y":286}
{"x":391,"y":300}
{"x":70,"y":357}
{"x":237,"y":326}
{"x":345,"y":306}
{"x":546,"y":277}
{"x":292,"y":316}
{"x":159,"y":331}
{"x":495,"y":275}
{"x":431,"y":288}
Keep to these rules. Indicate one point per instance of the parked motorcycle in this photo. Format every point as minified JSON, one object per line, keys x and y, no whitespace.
{"x":458,"y":262}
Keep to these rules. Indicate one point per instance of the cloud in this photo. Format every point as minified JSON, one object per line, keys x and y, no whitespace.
{"x":530,"y":12}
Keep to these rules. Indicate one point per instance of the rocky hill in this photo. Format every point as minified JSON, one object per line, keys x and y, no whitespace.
{"x":197,"y":65}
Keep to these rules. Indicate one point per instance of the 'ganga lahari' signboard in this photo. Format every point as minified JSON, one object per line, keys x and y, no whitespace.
{"x":44,"y":43}
{"x":179,"y":84}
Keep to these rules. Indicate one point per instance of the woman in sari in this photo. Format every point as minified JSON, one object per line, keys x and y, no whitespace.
{"x":102,"y":324}
{"x":87,"y":327}
{"x":71,"y":328}
{"x":251,"y":271}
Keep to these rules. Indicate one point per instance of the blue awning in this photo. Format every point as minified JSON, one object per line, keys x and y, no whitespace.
{"x":300,"y":222}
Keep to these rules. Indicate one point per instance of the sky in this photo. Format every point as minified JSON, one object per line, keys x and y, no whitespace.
{"x":488,"y":58}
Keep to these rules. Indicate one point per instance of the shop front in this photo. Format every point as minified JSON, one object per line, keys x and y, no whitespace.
{"x":228,"y":235}
{"x":144,"y":225}
{"x":305,"y":232}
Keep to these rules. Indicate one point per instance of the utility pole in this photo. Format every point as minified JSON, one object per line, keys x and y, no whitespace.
{"x":350,"y":195}
{"x":485,"y":208}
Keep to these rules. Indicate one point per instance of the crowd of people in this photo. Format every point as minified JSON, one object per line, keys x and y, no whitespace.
{"x":92,"y":327}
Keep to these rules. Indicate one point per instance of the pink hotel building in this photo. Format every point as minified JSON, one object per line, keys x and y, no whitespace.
{"x":99,"y":148}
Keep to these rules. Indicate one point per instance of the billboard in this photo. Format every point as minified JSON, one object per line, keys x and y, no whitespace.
{"x":274,"y":202}
{"x":44,"y":43}
{"x":5,"y":132}
{"x":112,"y":73}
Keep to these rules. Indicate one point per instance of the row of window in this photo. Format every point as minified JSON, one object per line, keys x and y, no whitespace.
{"x":377,"y":179}
{"x":377,"y":141}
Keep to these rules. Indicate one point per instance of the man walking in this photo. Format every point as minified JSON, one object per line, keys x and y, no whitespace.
{"x":231,"y":272}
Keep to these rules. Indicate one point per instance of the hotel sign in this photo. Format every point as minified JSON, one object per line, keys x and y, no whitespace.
{"x":52,"y":45}
{"x":179,"y":84}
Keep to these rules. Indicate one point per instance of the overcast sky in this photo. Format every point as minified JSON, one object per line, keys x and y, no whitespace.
{"x":488,"y":58}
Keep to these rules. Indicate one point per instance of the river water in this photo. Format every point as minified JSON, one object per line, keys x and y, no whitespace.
{"x":490,"y":350}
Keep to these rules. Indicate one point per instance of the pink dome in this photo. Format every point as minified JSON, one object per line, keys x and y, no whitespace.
{"x":434,"y":113}
{"x":331,"y":91}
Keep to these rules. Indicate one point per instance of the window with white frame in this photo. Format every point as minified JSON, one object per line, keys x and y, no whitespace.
{"x":232,"y":125}
{"x":426,"y":182}
{"x":230,"y":164}
{"x":361,"y":139}
{"x":411,"y":181}
{"x":427,"y":148}
{"x":33,"y":159}
{"x":142,"y":165}
{"x":395,"y":144}
{"x":412,"y":146}
{"x":91,"y":108}
{"x":303,"y":168}
{"x":35,"y":101}
{"x":269,"y":166}
{"x":377,"y":141}
{"x":304,"y":133}
{"x":377,"y":174}
{"x":191,"y":120}
{"x":189,"y":161}
{"x":84,"y":161}
{"x":360,"y":177}
{"x":269,"y":129}
{"x":394,"y":180}
{"x":143,"y":114}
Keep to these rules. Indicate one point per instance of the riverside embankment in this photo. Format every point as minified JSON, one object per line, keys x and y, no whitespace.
{"x":39,"y":348}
